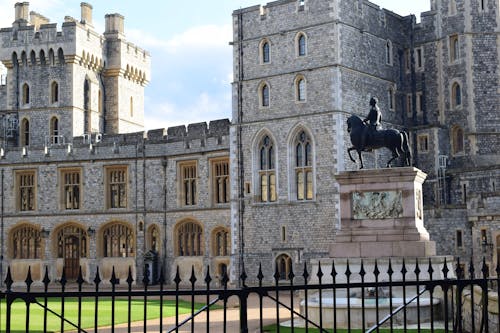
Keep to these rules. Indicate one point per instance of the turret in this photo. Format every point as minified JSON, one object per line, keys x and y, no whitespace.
{"x":22,"y":13}
{"x":114,"y":24}
{"x":86,"y":10}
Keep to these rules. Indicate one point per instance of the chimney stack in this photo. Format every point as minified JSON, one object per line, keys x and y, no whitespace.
{"x":86,"y":13}
{"x":114,"y":24}
{"x":22,"y":12}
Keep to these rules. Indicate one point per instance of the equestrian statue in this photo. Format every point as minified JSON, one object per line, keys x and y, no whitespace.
{"x":365,"y":136}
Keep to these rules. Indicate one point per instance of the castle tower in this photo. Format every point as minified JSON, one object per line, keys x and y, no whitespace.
{"x":64,"y":82}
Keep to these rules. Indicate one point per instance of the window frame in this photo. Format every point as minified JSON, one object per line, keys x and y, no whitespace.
{"x":77,"y":187}
{"x":264,"y":97}
{"x":32,"y":249}
{"x":25,"y":132}
{"x":54,"y":92}
{"x":126,"y":240}
{"x":423,"y":138}
{"x":456,"y":95}
{"x":221,"y":187}
{"x":457,"y":141}
{"x":301,"y":45}
{"x":194,"y":244}
{"x":122,"y":186}
{"x":188,"y":196}
{"x":454,"y":48}
{"x":265,"y":51}
{"x":267,"y":181}
{"x":300,"y":89}
{"x":303,"y":164}
{"x":21,"y":189}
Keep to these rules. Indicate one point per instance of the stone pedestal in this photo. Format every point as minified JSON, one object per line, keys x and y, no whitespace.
{"x":382,"y":215}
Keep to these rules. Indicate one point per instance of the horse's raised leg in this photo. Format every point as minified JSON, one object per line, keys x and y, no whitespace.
{"x":349,"y":152}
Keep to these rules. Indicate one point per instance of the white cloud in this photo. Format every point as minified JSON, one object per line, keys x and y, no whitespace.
{"x":199,"y":37}
{"x":43,"y":7}
{"x":203,"y":109}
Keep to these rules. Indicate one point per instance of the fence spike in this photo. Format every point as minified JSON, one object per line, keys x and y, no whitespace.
{"x":79,"y":279}
{"x":192,"y":279}
{"x":161,"y":279}
{"x":130,"y":279}
{"x":243,"y":276}
{"x":177,"y":278}
{"x":389,"y":269}
{"x":417,"y":268}
{"x":305,"y":274}
{"x":403,"y":268}
{"x":348,"y":270}
{"x":8,"y":279}
{"x":485,"y":269}
{"x":362,"y":271}
{"x":471,"y":268}
{"x":114,"y":281}
{"x":445,"y":269}
{"x":46,"y":279}
{"x":320,"y":272}
{"x":276,"y":274}
{"x":376,"y":271}
{"x":225,"y":279}
{"x":430,"y":270}
{"x":29,"y":280}
{"x":208,"y":278}
{"x":97,"y":279}
{"x":333,"y":273}
{"x":260,"y":275}
{"x":291,"y":274}
{"x":63,"y":279}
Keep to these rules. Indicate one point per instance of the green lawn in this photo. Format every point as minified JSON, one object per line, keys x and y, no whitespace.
{"x":272,"y":328}
{"x":18,"y":319}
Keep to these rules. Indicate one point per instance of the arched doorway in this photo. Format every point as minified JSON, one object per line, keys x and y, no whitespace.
{"x":71,"y":246}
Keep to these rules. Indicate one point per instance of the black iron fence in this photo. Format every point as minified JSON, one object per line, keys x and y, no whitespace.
{"x":456,"y":301}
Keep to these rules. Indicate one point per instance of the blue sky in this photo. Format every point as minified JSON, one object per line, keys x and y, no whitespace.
{"x":189,"y":45}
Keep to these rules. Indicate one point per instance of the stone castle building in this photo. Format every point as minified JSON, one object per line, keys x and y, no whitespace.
{"x":82,"y":185}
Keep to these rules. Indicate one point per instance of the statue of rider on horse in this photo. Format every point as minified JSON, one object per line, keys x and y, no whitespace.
{"x":365,"y":136}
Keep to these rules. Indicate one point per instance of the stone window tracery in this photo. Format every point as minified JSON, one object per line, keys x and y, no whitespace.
{"x":71,"y":189}
{"x":76,"y":232}
{"x":189,"y":182}
{"x":303,"y":167}
{"x":26,"y":242}
{"x":284,"y":266}
{"x":116,"y":183}
{"x":118,"y":241}
{"x":189,"y":238}
{"x":267,"y":172}
{"x":26,"y":185}
{"x":220,"y":181}
{"x":220,"y":242}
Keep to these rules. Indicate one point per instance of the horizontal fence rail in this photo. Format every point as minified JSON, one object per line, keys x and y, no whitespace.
{"x":409,"y":296}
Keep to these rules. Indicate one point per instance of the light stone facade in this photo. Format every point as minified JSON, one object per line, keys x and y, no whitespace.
{"x":156,"y":190}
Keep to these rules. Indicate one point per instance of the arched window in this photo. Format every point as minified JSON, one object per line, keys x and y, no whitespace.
{"x":118,"y":240}
{"x":42,"y":58}
{"x":15,"y":60}
{"x":265,"y":52}
{"x":457,"y":140}
{"x":303,"y":167}
{"x":52,"y":60}
{"x":24,"y":59}
{"x":392,"y":99}
{"x":54,"y":92}
{"x":300,"y":89}
{"x":25,"y":132}
{"x":54,"y":130}
{"x":267,"y":172}
{"x":26,"y":94}
{"x":33,"y":58}
{"x":388,"y":52}
{"x":456,"y":95}
{"x":26,"y":242}
{"x":264,"y":95}
{"x":131,"y":106}
{"x":154,"y":238}
{"x":284,"y":266}
{"x":454,"y":48}
{"x":301,"y":45}
{"x":86,"y":107}
{"x":189,"y":237}
{"x":220,"y":242}
{"x":60,"y":56}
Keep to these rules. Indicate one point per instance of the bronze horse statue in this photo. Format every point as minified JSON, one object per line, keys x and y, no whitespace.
{"x":394,"y":140}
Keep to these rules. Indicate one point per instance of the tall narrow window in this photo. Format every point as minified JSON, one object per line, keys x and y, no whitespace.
{"x":456,"y":95}
{"x":52,"y":60}
{"x":154,"y":238}
{"x":117,"y":187}
{"x":303,"y":167}
{"x":267,"y":173}
{"x":189,"y":183}
{"x":189,"y":237}
{"x":409,"y":103}
{"x":423,"y":143}
{"x":54,"y":131}
{"x":25,"y":132}
{"x":459,"y":239}
{"x":42,"y":58}
{"x":392,"y":99}
{"x":131,"y":106}
{"x":87,"y":124}
{"x":221,"y":244}
{"x":457,"y":141}
{"x":265,"y":51}
{"x":26,"y":94}
{"x":284,"y":266}
{"x":71,"y":182}
{"x":54,"y":92}
{"x":26,"y":183}
{"x":454,"y":48}
{"x":420,"y":102}
{"x":264,"y":95}
{"x":220,"y":181}
{"x":407,"y":56}
{"x":301,"y":45}
{"x":300,"y":89}
{"x":33,"y":58}
{"x":60,"y":56}
{"x":388,"y":52}
{"x":419,"y":58}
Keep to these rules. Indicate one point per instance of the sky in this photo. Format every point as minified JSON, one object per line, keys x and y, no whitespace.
{"x":191,"y":59}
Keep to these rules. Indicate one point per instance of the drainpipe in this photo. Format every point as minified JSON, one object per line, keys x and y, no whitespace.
{"x":2,"y":229}
{"x":164,"y":163}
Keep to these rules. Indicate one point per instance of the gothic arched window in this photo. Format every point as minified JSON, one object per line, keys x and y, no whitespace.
{"x":301,"y":45}
{"x":118,"y":241}
{"x":189,"y":237}
{"x":303,"y":167}
{"x":267,"y":172}
{"x":26,"y":242}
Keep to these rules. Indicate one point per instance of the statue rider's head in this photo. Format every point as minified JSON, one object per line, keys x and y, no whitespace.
{"x":373,"y":101}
